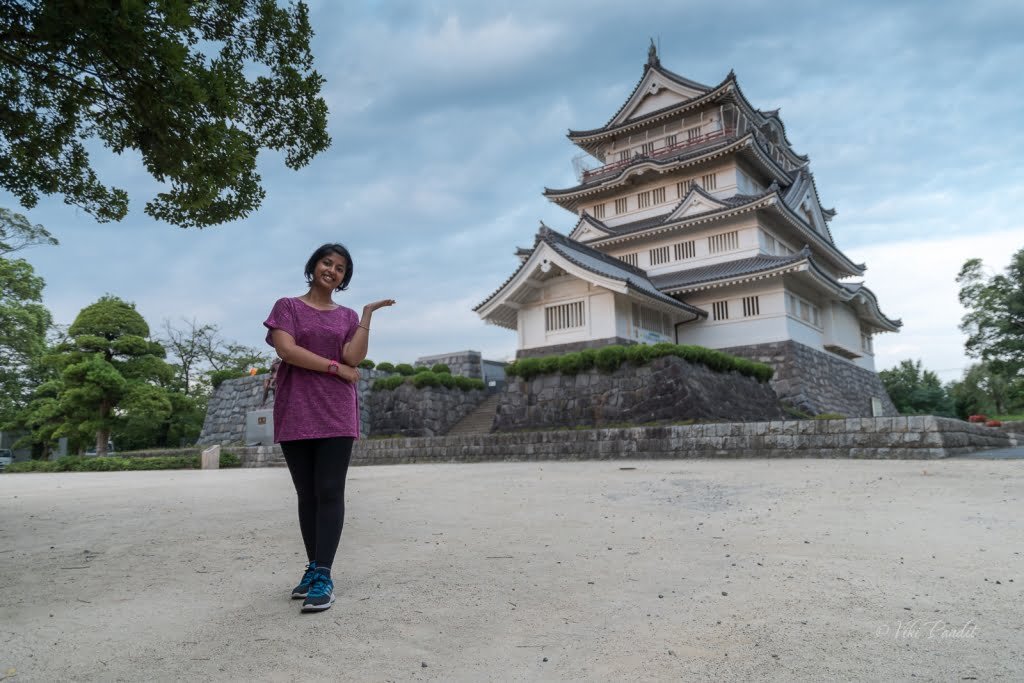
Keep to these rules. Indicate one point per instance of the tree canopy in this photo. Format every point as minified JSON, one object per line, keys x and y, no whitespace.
{"x":196,"y":88}
{"x":110,"y":371}
{"x":916,"y":391}
{"x":994,"y":321}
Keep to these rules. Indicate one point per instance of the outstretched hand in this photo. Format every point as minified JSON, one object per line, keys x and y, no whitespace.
{"x":371,"y":307}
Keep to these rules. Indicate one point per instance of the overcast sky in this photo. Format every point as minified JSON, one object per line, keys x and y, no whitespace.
{"x":449,"y":119}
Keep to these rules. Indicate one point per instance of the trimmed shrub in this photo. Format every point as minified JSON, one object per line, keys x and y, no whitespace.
{"x":548,"y":365}
{"x":639,"y":354}
{"x":405,"y":369}
{"x":610,"y":358}
{"x":388,"y":383}
{"x":386,"y":367}
{"x":217,"y":377}
{"x":441,"y":369}
{"x":570,"y":363}
{"x":425,"y":379}
{"x":366,"y":364}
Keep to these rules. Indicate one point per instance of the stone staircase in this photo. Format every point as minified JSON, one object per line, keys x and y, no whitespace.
{"x":479,"y":421}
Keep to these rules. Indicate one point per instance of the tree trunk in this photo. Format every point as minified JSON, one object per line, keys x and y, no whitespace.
{"x":102,"y":437}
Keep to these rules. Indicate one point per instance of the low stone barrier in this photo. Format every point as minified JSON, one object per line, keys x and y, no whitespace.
{"x":916,"y":437}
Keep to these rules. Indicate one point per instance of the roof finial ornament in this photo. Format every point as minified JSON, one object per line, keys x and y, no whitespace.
{"x":652,"y":55}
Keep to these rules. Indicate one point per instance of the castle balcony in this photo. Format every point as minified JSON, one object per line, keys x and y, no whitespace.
{"x":688,"y":145}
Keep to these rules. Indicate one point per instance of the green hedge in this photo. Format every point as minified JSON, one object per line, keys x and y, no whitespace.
{"x":441,"y":369}
{"x":405,"y":369}
{"x":428,"y":378}
{"x":610,"y":358}
{"x":386,"y":367}
{"x":77,"y":463}
{"x":366,"y":364}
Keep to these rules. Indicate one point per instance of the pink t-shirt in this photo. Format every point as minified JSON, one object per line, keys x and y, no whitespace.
{"x":310,"y":404}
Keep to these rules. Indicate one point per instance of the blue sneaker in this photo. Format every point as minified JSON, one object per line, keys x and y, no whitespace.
{"x":302,"y":590}
{"x":321,"y":591}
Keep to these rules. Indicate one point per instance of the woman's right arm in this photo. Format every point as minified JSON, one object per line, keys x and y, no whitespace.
{"x":293,"y":354}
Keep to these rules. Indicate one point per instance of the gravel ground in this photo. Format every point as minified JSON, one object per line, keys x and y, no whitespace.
{"x":788,"y":570}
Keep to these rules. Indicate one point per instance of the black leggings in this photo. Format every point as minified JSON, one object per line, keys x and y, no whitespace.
{"x":318,"y":468}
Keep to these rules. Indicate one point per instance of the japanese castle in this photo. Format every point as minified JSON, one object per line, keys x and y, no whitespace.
{"x":697,"y":224}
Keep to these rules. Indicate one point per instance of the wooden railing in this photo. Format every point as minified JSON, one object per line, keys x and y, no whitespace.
{"x":659,"y":153}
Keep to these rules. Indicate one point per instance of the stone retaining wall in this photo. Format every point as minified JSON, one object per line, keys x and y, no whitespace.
{"x":667,"y":388}
{"x":817,"y":382}
{"x":917,"y":437}
{"x":430,"y":411}
{"x":464,"y":363}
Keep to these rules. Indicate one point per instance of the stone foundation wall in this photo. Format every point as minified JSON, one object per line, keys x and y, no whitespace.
{"x":430,"y":411}
{"x":464,"y":363}
{"x":817,"y":382}
{"x":668,"y":388}
{"x":558,"y":349}
{"x":917,"y":437}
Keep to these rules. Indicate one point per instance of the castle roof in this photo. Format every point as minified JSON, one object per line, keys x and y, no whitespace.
{"x":571,"y":197}
{"x":551,"y":247}
{"x":684,"y":279}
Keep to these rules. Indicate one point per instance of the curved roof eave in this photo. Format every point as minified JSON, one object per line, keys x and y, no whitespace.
{"x":710,"y":92}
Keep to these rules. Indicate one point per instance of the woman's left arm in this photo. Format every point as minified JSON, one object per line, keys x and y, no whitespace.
{"x":353,"y":352}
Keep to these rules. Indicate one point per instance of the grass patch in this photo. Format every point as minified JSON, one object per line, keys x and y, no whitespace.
{"x":77,"y":463}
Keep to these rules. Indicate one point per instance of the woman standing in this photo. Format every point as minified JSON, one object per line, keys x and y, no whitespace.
{"x":316,"y":407}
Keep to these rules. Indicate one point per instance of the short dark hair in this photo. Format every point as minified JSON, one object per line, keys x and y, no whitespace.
{"x":338,"y":249}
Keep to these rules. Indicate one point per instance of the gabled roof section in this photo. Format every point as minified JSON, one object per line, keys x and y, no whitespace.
{"x":696,"y":201}
{"x":660,"y":86}
{"x":577,"y":259}
{"x":628,"y":114}
{"x":804,"y":192}
{"x":589,"y":228}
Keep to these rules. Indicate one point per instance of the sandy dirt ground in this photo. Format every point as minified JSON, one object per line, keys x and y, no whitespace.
{"x":785,"y":570}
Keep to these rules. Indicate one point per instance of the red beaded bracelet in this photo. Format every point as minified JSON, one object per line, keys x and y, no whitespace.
{"x":333,"y":364}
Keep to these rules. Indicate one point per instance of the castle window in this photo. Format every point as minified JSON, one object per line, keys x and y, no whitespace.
{"x":804,"y":310}
{"x":620,"y":205}
{"x":647,"y":148}
{"x":727,"y":241}
{"x":693,"y":134}
{"x":659,"y":256}
{"x":685,"y":250}
{"x":683,"y":187}
{"x":651,"y":320}
{"x":709,"y":181}
{"x":751,"y":306}
{"x":670,"y":140}
{"x":564,"y":316}
{"x":720,"y":310}
{"x":624,"y":155}
{"x":658,"y":195}
{"x":643,"y":199}
{"x":631,"y":259}
{"x":865,"y":343}
{"x":598,"y":210}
